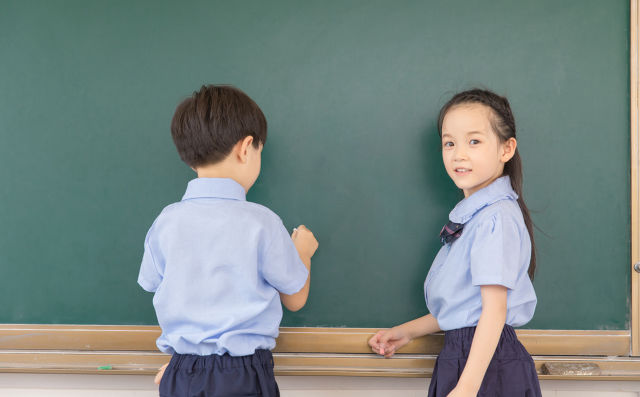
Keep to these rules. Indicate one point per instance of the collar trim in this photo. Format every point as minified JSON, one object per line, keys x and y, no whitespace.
{"x":499,"y":190}
{"x":224,"y":188}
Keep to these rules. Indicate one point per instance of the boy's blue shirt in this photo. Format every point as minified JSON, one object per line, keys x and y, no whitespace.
{"x":494,"y":249}
{"x":216,"y":263}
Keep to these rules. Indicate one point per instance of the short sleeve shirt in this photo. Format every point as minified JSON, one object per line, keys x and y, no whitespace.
{"x":216,"y":264}
{"x":494,"y":249}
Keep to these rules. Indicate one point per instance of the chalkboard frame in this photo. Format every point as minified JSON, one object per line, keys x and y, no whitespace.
{"x":634,"y":63}
{"x":133,"y":344}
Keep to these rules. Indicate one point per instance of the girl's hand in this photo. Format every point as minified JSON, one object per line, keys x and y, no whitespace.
{"x":459,"y":391}
{"x":159,"y":374}
{"x":386,"y":342}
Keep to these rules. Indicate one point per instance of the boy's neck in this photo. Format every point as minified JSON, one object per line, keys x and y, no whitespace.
{"x":220,"y":170}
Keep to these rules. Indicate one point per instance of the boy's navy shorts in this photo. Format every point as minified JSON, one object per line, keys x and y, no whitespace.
{"x":511,"y":372}
{"x":191,"y":375}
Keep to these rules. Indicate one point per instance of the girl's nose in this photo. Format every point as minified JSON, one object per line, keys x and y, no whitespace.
{"x":460,"y":154}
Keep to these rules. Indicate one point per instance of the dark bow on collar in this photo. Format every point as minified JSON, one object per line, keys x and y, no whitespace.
{"x":450,"y":232}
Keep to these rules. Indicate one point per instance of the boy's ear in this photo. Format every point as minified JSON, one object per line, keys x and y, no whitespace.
{"x":508,"y":149}
{"x":242,"y":148}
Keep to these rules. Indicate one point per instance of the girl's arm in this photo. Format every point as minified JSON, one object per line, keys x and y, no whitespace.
{"x":485,"y":340}
{"x":388,"y":341}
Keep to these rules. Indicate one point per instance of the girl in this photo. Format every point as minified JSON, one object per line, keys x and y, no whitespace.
{"x":479,"y":286}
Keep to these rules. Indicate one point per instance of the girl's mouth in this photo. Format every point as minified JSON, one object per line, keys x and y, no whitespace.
{"x":462,"y":170}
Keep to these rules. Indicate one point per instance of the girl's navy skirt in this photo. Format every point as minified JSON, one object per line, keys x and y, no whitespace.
{"x":213,"y":376}
{"x":511,"y":372}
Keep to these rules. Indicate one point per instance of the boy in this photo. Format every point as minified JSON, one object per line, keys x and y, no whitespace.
{"x":219,"y":265}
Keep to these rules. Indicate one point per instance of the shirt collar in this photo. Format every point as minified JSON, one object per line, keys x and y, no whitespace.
{"x":224,"y":188}
{"x":500,"y":189}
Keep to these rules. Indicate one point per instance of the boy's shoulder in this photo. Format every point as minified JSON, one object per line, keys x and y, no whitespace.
{"x":169,"y":209}
{"x":248,"y":209}
{"x":262,"y":212}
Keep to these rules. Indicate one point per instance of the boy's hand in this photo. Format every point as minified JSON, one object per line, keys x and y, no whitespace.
{"x":159,"y":374}
{"x":387,"y":341}
{"x":305,"y":242}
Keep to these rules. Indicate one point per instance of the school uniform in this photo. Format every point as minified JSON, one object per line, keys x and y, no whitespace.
{"x":491,"y":247}
{"x":216,"y":264}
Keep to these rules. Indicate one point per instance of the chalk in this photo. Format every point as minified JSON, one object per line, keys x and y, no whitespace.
{"x":105,"y":368}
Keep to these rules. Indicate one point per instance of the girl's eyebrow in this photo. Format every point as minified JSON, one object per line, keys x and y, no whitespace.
{"x":445,"y":135}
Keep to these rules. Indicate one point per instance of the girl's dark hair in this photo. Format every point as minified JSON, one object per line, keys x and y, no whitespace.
{"x":504,"y":125}
{"x":206,"y":126}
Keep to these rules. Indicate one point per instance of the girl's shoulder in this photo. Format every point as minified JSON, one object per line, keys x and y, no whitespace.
{"x":497,"y":223}
{"x":502,"y":211}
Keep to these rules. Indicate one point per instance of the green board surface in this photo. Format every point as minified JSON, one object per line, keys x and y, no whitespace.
{"x":351,"y":91}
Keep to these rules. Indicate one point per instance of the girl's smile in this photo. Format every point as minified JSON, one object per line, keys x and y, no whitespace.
{"x":462,"y":171}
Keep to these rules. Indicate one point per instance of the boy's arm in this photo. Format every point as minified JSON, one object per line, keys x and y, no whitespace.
{"x":485,"y":340}
{"x":295,"y":302}
{"x":306,"y":245}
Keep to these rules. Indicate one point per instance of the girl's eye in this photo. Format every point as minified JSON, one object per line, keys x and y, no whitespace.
{"x":447,"y":144}
{"x":474,"y":142}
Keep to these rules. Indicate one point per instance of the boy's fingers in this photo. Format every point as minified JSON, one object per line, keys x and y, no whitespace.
{"x":302,"y":232}
{"x":305,"y":229}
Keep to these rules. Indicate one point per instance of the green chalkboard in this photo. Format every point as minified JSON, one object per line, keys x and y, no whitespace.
{"x":351,"y":90}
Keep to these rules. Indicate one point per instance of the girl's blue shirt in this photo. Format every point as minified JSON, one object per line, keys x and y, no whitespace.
{"x":494,"y":249}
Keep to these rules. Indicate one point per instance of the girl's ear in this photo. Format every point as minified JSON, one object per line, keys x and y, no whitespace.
{"x":508,"y":149}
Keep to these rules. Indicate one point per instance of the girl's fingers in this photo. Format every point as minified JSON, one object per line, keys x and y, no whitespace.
{"x":374,"y":341}
{"x":389,"y":351}
{"x":388,"y":335}
{"x":377,"y":346}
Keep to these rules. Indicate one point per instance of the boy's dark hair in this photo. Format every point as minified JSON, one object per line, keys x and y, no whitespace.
{"x":206,"y":126}
{"x":504,"y":125}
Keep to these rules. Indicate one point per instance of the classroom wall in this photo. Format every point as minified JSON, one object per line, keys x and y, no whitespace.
{"x":32,"y":385}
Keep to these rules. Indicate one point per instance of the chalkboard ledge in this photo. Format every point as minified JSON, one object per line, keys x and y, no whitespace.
{"x":95,"y":349}
{"x":292,"y":364}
